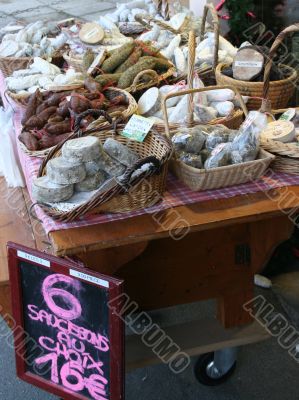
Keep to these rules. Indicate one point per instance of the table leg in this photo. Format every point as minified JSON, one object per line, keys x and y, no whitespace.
{"x":230,"y":307}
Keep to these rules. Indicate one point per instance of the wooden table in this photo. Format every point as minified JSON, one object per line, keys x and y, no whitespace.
{"x":224,"y":243}
{"x":227,"y":241}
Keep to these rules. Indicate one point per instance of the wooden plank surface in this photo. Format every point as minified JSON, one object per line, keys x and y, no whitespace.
{"x":17,"y":226}
{"x":197,"y":337}
{"x":177,"y":221}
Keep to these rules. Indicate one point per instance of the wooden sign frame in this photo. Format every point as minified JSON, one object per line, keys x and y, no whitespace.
{"x":54,"y":264}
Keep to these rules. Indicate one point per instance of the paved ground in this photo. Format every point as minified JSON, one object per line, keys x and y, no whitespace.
{"x":264,"y":371}
{"x":32,"y":10}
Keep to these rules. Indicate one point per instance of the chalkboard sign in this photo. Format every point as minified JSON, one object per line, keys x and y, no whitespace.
{"x":67,"y":339}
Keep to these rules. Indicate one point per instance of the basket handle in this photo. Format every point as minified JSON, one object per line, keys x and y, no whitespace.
{"x":191,"y":62}
{"x":93,"y":113}
{"x":266,"y":105}
{"x":149,"y":72}
{"x":125,"y":181}
{"x":145,"y":20}
{"x":166,"y":13}
{"x":215,"y":23}
{"x":204,"y":89}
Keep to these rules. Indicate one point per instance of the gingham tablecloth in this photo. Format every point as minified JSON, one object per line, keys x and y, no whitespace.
{"x":176,"y":194}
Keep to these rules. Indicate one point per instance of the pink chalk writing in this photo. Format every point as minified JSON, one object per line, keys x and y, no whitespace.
{"x":49,"y":292}
{"x":73,"y":365}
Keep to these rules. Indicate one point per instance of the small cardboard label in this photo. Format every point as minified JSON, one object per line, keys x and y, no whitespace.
{"x":89,"y":278}
{"x":137,"y":128}
{"x":288,"y":115}
{"x":249,"y":64}
{"x":30,"y":257}
{"x":91,"y":33}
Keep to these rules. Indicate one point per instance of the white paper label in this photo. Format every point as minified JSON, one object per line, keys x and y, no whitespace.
{"x":288,"y":115}
{"x":89,"y":278}
{"x":91,"y":33}
{"x":35,"y":259}
{"x":137,"y":128}
{"x":249,"y":64}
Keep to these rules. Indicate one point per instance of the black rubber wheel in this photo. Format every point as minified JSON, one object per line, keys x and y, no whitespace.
{"x":200,"y":371}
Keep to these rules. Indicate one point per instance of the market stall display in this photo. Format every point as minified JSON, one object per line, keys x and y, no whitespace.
{"x":214,"y":157}
{"x":49,"y":117}
{"x":220,"y":106}
{"x":121,"y":164}
{"x":134,"y":66}
{"x":107,"y":188}
{"x":43,"y":75}
{"x":38,"y":39}
{"x":278,"y":92}
{"x":281,"y":139}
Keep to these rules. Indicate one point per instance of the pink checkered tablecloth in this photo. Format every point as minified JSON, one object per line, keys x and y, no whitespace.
{"x":176,"y":194}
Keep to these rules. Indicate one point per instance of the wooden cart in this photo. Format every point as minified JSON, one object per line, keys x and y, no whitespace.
{"x":209,"y":250}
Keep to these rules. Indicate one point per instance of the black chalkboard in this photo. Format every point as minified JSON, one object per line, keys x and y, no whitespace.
{"x":71,"y":343}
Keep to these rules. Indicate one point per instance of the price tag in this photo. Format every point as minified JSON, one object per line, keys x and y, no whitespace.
{"x":288,"y":115}
{"x":137,"y":128}
{"x":249,"y":64}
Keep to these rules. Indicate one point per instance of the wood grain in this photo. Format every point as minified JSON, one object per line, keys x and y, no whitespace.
{"x":196,"y":337}
{"x":17,"y":226}
{"x":14,"y":223}
{"x":191,"y":218}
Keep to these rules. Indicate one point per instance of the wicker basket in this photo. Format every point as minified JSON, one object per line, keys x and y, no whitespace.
{"x":131,"y":109}
{"x":22,"y":99}
{"x":144,"y":191}
{"x":8,"y":65}
{"x":206,"y":73}
{"x":163,"y":8}
{"x":74,"y":62}
{"x":278,"y":93}
{"x":201,"y":179}
{"x":286,"y":154}
{"x":146,"y":21}
{"x":232,"y":121}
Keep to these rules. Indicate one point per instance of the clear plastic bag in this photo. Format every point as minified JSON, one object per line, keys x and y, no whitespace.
{"x":219,"y":157}
{"x":220,"y":134}
{"x":190,"y":140}
{"x":9,"y":160}
{"x":193,"y":160}
{"x":246,"y":143}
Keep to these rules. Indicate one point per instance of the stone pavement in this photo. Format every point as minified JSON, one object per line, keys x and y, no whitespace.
{"x":33,"y":10}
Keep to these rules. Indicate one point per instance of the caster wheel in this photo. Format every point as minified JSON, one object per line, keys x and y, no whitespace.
{"x":206,"y":375}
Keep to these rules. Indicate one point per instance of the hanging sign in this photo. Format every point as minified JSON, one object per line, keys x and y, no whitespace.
{"x":67,"y":339}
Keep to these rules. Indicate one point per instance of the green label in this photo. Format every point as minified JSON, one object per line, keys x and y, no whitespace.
{"x":137,"y":128}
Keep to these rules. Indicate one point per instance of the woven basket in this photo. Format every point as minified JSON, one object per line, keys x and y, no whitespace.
{"x":8,"y":65}
{"x":163,"y":8}
{"x":278,"y":93}
{"x":232,"y":121}
{"x":142,"y":192}
{"x":146,"y":21}
{"x":286,"y":154}
{"x":206,"y":73}
{"x":201,"y":179}
{"x":74,"y":62}
{"x":286,"y":165}
{"x":22,"y":99}
{"x":131,"y":109}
